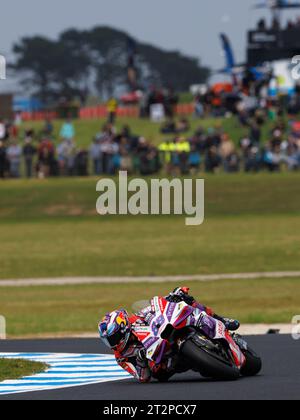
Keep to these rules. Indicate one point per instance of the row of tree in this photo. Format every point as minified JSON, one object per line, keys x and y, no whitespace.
{"x":80,"y":62}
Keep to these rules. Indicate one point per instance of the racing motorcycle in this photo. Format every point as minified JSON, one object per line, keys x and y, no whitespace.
{"x":168,"y":341}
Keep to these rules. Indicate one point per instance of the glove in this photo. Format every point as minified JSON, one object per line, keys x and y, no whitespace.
{"x":181,"y":294}
{"x":181,"y":291}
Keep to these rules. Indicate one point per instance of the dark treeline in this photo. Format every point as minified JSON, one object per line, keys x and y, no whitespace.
{"x":96,"y":60}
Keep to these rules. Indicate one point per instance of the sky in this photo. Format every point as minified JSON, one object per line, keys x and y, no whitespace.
{"x":191,"y":26}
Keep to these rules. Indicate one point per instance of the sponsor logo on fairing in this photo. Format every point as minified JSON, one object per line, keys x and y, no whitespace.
{"x":170,"y":310}
{"x":148,"y":343}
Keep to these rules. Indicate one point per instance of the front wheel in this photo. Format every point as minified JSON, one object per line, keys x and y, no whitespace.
{"x":253,"y":364}
{"x":209,"y":365}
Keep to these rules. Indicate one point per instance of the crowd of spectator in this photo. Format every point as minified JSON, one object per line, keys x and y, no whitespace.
{"x":210,"y":150}
{"x":276,"y":26}
{"x":213,"y":150}
{"x":165,"y":97}
{"x":38,"y":153}
{"x":293,"y":24}
{"x":41,"y":155}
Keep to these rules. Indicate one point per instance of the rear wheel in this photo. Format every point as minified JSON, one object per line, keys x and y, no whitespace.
{"x":253,"y":363}
{"x":208,"y":364}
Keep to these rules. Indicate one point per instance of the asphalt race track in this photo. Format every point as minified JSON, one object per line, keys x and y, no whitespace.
{"x":279,"y":380}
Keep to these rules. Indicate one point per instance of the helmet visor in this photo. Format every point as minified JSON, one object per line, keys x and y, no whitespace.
{"x":115,"y":339}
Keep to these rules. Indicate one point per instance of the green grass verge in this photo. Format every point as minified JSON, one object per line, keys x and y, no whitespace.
{"x":11,"y":369}
{"x":51,"y":229}
{"x":74,"y":309}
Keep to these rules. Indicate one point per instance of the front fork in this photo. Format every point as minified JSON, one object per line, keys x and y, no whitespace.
{"x":236,"y":351}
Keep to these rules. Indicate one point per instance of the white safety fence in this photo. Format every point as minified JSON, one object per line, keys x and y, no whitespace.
{"x":2,"y":328}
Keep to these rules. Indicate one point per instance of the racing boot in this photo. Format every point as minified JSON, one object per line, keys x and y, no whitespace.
{"x":212,"y":327}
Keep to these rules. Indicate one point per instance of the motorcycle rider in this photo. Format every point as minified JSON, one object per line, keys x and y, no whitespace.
{"x":117,"y":332}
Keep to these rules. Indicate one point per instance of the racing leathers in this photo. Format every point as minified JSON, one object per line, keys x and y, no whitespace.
{"x":133,"y":357}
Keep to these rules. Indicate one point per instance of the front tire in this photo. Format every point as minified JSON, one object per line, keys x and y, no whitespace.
{"x":208,"y":365}
{"x":253,"y":364}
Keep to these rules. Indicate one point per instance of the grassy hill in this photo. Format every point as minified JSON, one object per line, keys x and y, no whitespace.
{"x":87,"y":129}
{"x":51,"y":228}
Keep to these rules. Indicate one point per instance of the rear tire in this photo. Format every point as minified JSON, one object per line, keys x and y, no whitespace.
{"x":207,"y":365}
{"x":253,"y":364}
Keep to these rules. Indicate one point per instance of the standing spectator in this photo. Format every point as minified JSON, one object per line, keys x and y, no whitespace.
{"x":2,"y":130}
{"x":29,"y":152}
{"x":96,"y":156}
{"x":228,"y":155}
{"x":48,"y":128}
{"x":62,"y":157}
{"x":290,"y":154}
{"x":183,"y":149}
{"x":12,"y":130}
{"x":166,"y":150}
{"x":107,"y":138}
{"x":170,"y":102}
{"x":212,"y":160}
{"x":199,"y":108}
{"x":255,"y":133}
{"x":46,"y":161}
{"x":194,"y":160}
{"x":272,"y":157}
{"x":81,"y":163}
{"x":67,"y":131}
{"x":148,"y":158}
{"x":66,"y":153}
{"x":126,"y":163}
{"x":14,"y":153}
{"x":3,"y":161}
{"x":112,"y":107}
{"x":70,"y":157}
{"x":113,"y":157}
{"x":18,"y":119}
{"x":250,"y":154}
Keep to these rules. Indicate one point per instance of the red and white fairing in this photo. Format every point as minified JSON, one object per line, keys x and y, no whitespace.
{"x":178,"y":315}
{"x":165,"y":313}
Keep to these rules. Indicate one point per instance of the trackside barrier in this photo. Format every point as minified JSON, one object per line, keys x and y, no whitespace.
{"x":38,"y":115}
{"x":100,"y":111}
{"x":2,"y":328}
{"x":129,"y":112}
{"x":185,"y":109}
